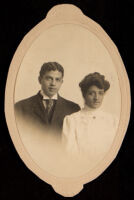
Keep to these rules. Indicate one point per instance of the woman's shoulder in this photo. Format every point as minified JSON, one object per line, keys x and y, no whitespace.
{"x":108,"y":115}
{"x":105,"y":114}
{"x":110,"y":118}
{"x":73,"y":116}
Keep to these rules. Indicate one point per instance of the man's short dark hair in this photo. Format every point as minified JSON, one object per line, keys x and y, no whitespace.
{"x":94,"y":79}
{"x":51,"y":66}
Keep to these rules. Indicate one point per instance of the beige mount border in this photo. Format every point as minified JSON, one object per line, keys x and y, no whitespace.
{"x":63,"y":14}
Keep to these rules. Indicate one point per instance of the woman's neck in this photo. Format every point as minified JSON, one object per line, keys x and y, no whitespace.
{"x":87,"y":108}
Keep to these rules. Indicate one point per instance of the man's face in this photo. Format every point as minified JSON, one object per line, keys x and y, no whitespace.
{"x":94,"y":97}
{"x":51,"y":82}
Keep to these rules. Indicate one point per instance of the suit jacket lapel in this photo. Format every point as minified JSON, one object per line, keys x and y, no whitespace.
{"x":39,"y":108}
{"x":57,"y":110}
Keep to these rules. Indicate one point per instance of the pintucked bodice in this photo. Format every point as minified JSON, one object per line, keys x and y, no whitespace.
{"x":89,"y":132}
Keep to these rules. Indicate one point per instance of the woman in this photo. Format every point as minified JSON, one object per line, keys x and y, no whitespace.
{"x":90,"y":131}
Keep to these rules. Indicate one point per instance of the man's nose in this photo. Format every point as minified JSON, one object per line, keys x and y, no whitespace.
{"x":53,"y":82}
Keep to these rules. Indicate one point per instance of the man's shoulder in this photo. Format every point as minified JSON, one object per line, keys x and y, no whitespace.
{"x":26,"y":102}
{"x":68,"y":106}
{"x":75,"y":115}
{"x":67,"y":101}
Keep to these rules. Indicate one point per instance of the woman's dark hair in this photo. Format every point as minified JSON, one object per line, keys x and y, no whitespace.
{"x":94,"y":79}
{"x":51,"y":66}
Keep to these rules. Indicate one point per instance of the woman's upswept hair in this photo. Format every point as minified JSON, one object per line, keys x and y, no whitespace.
{"x":94,"y":79}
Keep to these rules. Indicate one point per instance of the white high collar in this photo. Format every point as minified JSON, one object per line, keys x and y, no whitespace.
{"x":46,"y":97}
{"x":90,"y":110}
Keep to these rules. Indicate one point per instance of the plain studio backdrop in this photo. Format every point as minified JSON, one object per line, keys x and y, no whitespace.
{"x":80,"y":52}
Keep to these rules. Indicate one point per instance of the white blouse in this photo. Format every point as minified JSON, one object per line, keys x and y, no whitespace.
{"x":89,"y":132}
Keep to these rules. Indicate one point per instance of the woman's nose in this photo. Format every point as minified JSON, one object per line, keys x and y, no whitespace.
{"x":96,"y":96}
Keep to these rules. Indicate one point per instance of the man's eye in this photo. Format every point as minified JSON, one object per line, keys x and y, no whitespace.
{"x":48,"y":78}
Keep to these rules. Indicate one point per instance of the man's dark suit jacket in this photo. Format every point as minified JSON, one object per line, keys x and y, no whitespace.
{"x":32,"y":112}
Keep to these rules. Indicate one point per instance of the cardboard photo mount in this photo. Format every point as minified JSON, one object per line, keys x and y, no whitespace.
{"x":67,"y":14}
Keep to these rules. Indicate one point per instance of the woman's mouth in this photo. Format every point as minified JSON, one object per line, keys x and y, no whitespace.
{"x":96,"y":103}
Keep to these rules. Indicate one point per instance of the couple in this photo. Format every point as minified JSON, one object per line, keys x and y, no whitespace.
{"x":80,"y":128}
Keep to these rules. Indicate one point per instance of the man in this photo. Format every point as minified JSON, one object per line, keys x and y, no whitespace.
{"x":47,"y":109}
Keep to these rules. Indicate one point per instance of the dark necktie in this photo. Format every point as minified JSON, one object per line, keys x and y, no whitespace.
{"x":49,"y":105}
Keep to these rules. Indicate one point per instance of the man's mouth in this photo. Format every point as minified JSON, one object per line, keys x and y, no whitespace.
{"x":52,"y":89}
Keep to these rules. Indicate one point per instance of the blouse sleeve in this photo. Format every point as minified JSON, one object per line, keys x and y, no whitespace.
{"x":69,"y":139}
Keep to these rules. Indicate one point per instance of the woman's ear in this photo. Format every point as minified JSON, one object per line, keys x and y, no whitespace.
{"x":105,"y":92}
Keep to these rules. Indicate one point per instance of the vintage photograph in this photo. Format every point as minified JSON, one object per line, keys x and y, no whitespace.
{"x":67,"y":100}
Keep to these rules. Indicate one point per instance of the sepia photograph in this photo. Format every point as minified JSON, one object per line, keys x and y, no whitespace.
{"x":67,"y":100}
{"x":67,"y":72}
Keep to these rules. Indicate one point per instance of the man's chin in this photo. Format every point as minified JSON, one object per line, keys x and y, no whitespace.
{"x":51,"y":94}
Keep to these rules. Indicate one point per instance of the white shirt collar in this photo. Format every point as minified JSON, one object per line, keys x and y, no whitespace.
{"x":46,"y":97}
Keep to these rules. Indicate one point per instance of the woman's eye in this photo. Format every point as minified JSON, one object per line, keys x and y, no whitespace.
{"x":90,"y":93}
{"x":101,"y":93}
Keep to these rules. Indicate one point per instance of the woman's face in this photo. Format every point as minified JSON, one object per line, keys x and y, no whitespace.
{"x":94,"y":97}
